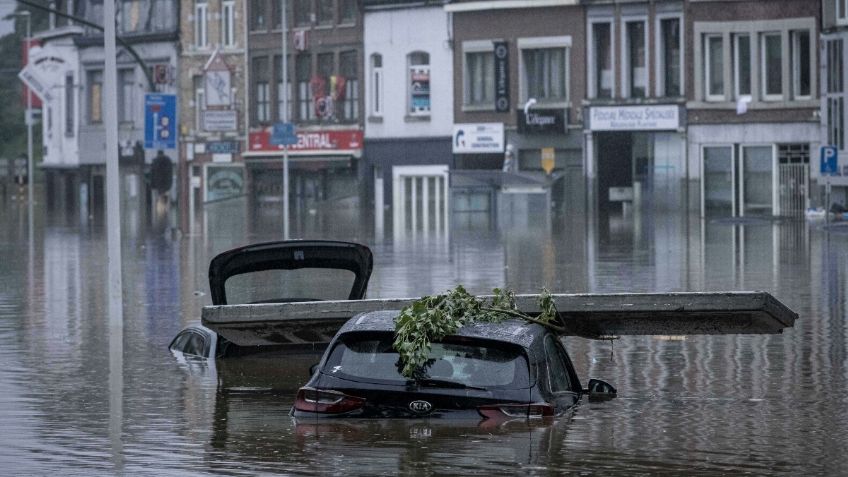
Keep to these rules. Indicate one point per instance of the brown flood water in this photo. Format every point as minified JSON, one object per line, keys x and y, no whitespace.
{"x":695,"y":406}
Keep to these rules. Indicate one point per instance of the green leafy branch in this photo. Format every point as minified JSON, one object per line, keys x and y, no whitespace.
{"x":431,"y":318}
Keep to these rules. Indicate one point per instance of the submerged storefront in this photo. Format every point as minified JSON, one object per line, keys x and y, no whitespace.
{"x":322,"y":167}
{"x":636,"y":156}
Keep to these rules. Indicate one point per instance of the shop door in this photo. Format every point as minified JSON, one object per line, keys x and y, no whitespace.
{"x":794,"y":171}
{"x":758,"y":178}
{"x":420,"y":199}
{"x":719,"y":175}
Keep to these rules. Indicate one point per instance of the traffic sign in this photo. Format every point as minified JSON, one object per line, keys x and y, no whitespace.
{"x":829,"y":161}
{"x":283,"y":135}
{"x":160,"y":121}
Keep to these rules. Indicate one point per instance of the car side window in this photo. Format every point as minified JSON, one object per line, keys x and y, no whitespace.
{"x":191,"y":343}
{"x":557,"y":369}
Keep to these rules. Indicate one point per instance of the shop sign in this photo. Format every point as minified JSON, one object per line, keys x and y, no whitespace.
{"x":223,"y":181}
{"x":501,"y":52}
{"x":482,"y":138}
{"x":344,"y":140}
{"x":223,"y":147}
{"x":542,"y":121}
{"x":634,"y":118}
{"x":220,"y":120}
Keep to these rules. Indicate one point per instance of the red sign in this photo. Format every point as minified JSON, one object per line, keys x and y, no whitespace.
{"x":329,"y":141}
{"x":36,"y":101}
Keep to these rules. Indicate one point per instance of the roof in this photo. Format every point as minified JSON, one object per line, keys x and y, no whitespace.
{"x":517,"y":332}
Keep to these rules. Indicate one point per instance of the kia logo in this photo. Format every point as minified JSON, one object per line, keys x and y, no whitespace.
{"x":420,"y":407}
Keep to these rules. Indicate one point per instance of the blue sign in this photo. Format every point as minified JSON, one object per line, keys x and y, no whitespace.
{"x":283,"y":135}
{"x":222,"y":147}
{"x":160,"y":121}
{"x":829,"y":161}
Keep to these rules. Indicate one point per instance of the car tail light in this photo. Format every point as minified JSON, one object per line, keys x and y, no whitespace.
{"x":326,"y":402}
{"x":529,"y":411}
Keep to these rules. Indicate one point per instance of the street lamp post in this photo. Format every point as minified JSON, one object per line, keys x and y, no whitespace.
{"x":28,"y":112}
{"x":285,"y":75}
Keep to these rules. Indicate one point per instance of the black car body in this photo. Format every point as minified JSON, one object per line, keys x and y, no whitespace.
{"x":513,"y":369}
{"x":279,"y":272}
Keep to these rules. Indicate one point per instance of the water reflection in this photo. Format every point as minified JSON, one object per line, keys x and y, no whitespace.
{"x":700,"y":405}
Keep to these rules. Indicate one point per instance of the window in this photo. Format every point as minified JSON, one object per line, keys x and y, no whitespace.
{"x":261,"y":92}
{"x":841,"y":12}
{"x":418,"y":83}
{"x":602,"y":78}
{"x":377,"y":85}
{"x":200,"y":14}
{"x":95,"y":97}
{"x":834,"y":94}
{"x":772,"y":66}
{"x":303,"y":12}
{"x":126,"y":95}
{"x":199,"y":102}
{"x":228,"y":32}
{"x":557,"y":368}
{"x":278,"y":15}
{"x":801,"y":64}
{"x":325,"y":12}
{"x":670,"y":57}
{"x":480,"y":78}
{"x":258,"y":15}
{"x":350,"y":80}
{"x":347,"y":11}
{"x":714,"y":68}
{"x":69,"y":105}
{"x":284,"y":98}
{"x":134,"y":16}
{"x":741,"y":65}
{"x":303,"y":72}
{"x":545,"y":73}
{"x":636,"y":67}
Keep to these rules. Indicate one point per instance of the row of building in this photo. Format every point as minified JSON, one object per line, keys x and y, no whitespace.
{"x":426,"y":107}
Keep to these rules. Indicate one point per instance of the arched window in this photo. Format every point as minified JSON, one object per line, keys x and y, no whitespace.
{"x":418,"y":84}
{"x":376,"y":89}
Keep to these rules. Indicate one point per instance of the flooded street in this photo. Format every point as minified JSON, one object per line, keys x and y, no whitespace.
{"x":695,"y":405}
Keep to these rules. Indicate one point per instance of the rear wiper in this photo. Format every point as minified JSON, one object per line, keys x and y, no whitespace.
{"x":443,"y":383}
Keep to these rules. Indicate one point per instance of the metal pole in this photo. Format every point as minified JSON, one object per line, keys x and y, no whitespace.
{"x":30,"y":181}
{"x":113,"y":193}
{"x":285,"y":66}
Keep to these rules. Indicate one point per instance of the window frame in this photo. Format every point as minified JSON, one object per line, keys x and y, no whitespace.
{"x":126,"y":78}
{"x":409,"y":90}
{"x":840,"y":20}
{"x":476,"y":47}
{"x":252,"y":23}
{"x":764,"y":94}
{"x":626,"y":67}
{"x":201,"y":24}
{"x":735,"y":39}
{"x":199,"y":101}
{"x":228,"y":23}
{"x":794,"y":64}
{"x":545,"y":43}
{"x":91,"y":76}
{"x":592,"y":71}
{"x":709,"y":95}
{"x":70,"y":110}
{"x":660,"y":66}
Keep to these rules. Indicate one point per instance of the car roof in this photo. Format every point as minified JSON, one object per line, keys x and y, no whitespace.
{"x":518,"y":332}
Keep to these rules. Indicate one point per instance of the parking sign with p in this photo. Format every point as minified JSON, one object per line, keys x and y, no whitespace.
{"x":829,"y":161}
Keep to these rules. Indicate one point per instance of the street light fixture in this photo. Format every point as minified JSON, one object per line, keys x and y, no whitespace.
{"x":28,"y":113}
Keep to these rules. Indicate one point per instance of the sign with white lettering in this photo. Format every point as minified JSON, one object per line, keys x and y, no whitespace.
{"x":220,"y":120}
{"x":634,"y":118}
{"x":501,"y":51}
{"x":541,"y":121}
{"x":483,"y":138}
{"x":347,"y":141}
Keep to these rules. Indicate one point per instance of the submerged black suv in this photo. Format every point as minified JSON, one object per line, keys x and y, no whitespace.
{"x":513,"y":369}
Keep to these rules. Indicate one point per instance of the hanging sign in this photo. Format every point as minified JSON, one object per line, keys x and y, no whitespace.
{"x":501,"y":77}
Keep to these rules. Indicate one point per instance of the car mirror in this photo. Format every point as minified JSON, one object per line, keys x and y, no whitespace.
{"x":599,"y":390}
{"x":313,"y":368}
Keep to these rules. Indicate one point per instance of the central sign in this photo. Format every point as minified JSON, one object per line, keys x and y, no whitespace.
{"x":330,"y":141}
{"x":482,"y":138}
{"x":634,"y":118}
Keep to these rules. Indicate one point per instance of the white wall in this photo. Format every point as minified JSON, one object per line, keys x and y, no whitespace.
{"x":394,"y":34}
{"x":61,"y":149}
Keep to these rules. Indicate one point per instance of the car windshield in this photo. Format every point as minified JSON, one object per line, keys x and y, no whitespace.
{"x":474,"y":363}
{"x":302,"y":284}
